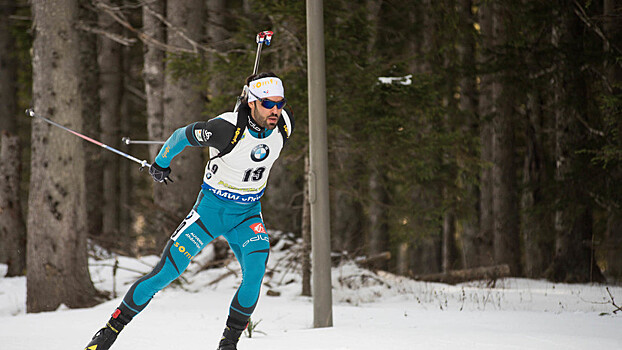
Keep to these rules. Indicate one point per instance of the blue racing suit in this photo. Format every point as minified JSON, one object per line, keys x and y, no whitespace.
{"x":228,"y":205}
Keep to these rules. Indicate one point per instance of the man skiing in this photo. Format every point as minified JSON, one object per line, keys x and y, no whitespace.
{"x":243,"y":147}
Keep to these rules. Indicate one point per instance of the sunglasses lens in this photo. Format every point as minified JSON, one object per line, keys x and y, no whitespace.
{"x":267,"y":104}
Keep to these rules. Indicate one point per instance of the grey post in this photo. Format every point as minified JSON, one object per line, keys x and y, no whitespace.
{"x":318,"y":173}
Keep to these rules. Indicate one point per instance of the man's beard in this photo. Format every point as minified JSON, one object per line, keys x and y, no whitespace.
{"x":265,"y":121}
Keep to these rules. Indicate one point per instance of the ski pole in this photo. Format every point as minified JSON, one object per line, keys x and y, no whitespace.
{"x":126,"y":140}
{"x":264,"y":37}
{"x":143,"y":163}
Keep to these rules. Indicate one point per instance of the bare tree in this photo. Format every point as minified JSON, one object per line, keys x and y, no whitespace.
{"x":57,"y":255}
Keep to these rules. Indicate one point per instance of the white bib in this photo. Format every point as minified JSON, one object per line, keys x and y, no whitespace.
{"x":242,"y":174}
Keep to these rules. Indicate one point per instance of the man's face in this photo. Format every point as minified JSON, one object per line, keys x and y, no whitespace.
{"x":266,"y":118}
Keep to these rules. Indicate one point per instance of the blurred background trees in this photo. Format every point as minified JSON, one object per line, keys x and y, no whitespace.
{"x":497,"y":140}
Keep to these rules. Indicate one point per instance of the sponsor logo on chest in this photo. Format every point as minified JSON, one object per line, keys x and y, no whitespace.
{"x":260,"y":152}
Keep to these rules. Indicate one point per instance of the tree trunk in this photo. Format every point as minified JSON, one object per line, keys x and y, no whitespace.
{"x":427,"y":255}
{"x":56,"y":253}
{"x":468,"y":107}
{"x":482,"y":244}
{"x":378,"y":233}
{"x":504,"y":190}
{"x":613,"y":247}
{"x":8,"y":73}
{"x":12,"y":227}
{"x":403,"y":260}
{"x":128,"y":175}
{"x":183,"y":105}
{"x":613,"y":29}
{"x":574,"y":255}
{"x":449,"y":241}
{"x":153,"y":75}
{"x":91,"y":115}
{"x":110,"y":92}
{"x":217,"y":34}
{"x":8,"y":96}
{"x":536,"y":224}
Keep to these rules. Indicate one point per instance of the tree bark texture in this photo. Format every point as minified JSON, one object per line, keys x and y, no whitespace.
{"x":8,"y":71}
{"x":91,"y":116}
{"x":504,"y":182}
{"x":378,"y":233}
{"x":153,"y":75}
{"x":536,"y":223}
{"x":449,"y":255}
{"x":12,"y":226}
{"x":217,"y":33}
{"x":574,"y":256}
{"x":56,"y":252}
{"x":468,"y":107}
{"x":183,"y":105}
{"x":482,"y":247}
{"x":110,"y":92}
{"x":612,"y":26}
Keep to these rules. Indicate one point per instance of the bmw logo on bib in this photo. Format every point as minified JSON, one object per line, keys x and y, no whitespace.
{"x":260,"y":152}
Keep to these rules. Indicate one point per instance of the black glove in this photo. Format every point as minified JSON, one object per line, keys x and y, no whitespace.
{"x":160,"y":174}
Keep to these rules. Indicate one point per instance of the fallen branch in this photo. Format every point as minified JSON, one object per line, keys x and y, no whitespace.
{"x":458,"y":276}
{"x":613,"y":302}
{"x":372,"y":261}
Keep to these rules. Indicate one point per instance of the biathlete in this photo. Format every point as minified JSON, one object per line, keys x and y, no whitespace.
{"x":243,"y":147}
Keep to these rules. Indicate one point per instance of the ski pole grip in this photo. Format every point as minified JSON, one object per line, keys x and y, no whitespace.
{"x":264,"y":37}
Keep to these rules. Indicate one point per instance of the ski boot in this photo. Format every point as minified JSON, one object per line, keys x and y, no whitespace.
{"x":230,"y":339}
{"x":103,"y":339}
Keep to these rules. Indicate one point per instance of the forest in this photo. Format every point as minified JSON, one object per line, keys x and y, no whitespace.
{"x":461,"y":133}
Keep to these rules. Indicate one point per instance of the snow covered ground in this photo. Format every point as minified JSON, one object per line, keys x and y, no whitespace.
{"x":370,"y":311}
